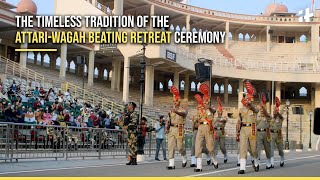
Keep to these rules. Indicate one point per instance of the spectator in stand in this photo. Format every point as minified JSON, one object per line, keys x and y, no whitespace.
{"x":61,"y":119}
{"x":47,"y":117}
{"x":36,"y":92}
{"x":36,"y":104}
{"x":51,"y":95}
{"x":2,"y":115}
{"x":96,"y":121}
{"x":67,"y":117}
{"x":67,"y":95}
{"x":1,"y":87}
{"x":19,"y":115}
{"x":160,"y":138}
{"x":54,"y":118}
{"x":107,"y":122}
{"x":38,"y":115}
{"x":10,"y":93}
{"x":14,"y":87}
{"x":72,"y":122}
{"x":24,"y":98}
{"x":30,"y":117}
{"x":41,"y":91}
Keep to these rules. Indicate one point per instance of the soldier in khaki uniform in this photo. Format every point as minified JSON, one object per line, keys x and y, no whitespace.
{"x":276,"y":132}
{"x":248,"y":117}
{"x":219,"y":127}
{"x":263,"y":131}
{"x":205,"y":133}
{"x":238,"y":140}
{"x":204,"y":148}
{"x":175,"y":129}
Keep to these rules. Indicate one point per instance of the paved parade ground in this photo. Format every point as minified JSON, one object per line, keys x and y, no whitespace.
{"x":297,"y":164}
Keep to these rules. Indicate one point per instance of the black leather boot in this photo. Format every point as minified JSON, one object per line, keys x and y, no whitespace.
{"x":130,"y":162}
{"x":134,"y":162}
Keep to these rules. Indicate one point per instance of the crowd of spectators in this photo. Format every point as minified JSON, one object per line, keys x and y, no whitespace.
{"x":34,"y":104}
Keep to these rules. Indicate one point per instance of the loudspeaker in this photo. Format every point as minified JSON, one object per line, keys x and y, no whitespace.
{"x":316,"y":120}
{"x":270,"y":31}
{"x":202,"y":72}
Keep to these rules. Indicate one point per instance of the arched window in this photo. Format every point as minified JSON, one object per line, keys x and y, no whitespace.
{"x":247,"y":37}
{"x":198,"y":86}
{"x":241,"y":37}
{"x":303,"y":38}
{"x":303,"y":92}
{"x":194,"y":30}
{"x":72,"y":65}
{"x":160,"y":86}
{"x":178,"y":29}
{"x":193,"y":86}
{"x":110,"y":75}
{"x":57,"y":62}
{"x":105,"y":74}
{"x":170,"y":83}
{"x":230,"y":36}
{"x":96,"y":72}
{"x":184,"y":29}
{"x":221,"y":89}
{"x":46,"y":60}
{"x":229,"y":89}
{"x":216,"y":88}
{"x":172,"y":28}
{"x":182,"y":84}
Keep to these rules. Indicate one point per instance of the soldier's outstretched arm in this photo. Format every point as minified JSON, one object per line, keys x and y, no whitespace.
{"x":253,"y":108}
{"x":181,"y":113}
{"x":212,"y":110}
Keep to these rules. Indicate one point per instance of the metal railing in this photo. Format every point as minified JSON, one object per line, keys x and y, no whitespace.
{"x":33,"y":141}
{"x":94,"y":99}
{"x":13,"y":68}
{"x":286,"y":67}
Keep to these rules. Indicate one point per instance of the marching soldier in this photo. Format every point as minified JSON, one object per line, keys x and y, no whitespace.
{"x":205,"y":128}
{"x":238,"y":127}
{"x":263,"y":131}
{"x":204,"y":148}
{"x":276,"y":132}
{"x":219,"y":126}
{"x":248,"y":118}
{"x":175,"y":129}
{"x":131,"y":126}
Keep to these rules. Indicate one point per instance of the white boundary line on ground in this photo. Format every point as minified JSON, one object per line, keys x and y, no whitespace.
{"x":68,"y":168}
{"x":230,"y":169}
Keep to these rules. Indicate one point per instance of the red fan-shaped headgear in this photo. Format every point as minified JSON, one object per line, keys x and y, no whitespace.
{"x":204,"y":89}
{"x":277,"y":105}
{"x":199,"y":99}
{"x":263,"y":99}
{"x":250,"y":91}
{"x":219,"y":107}
{"x":175,"y":93}
{"x":244,"y":102}
{"x":278,"y":102}
{"x":249,"y":87}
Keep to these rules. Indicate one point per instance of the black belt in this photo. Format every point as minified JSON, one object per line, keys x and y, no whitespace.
{"x":176,"y":125}
{"x":262,"y":130}
{"x":204,"y":123}
{"x":219,"y":128}
{"x":246,"y":124}
{"x":275,"y":131}
{"x":195,"y":128}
